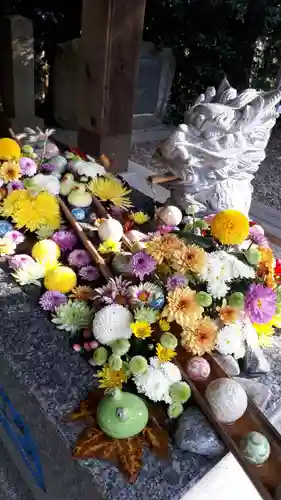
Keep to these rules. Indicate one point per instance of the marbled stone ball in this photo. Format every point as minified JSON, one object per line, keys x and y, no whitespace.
{"x":227,"y":399}
{"x":170,"y":215}
{"x":198,"y":368}
{"x":255,"y":448}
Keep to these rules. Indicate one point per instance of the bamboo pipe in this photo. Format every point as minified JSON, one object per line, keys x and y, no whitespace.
{"x":161,"y":179}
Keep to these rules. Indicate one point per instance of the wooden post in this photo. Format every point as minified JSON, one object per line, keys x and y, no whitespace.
{"x":110,"y":42}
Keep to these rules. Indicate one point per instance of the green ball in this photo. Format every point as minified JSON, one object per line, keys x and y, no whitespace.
{"x":174,"y":410}
{"x":115,"y":362}
{"x":236,"y":299}
{"x":120,"y":347}
{"x":255,"y":448}
{"x":138,"y":365}
{"x":201,"y":224}
{"x":27,"y":149}
{"x":169,"y":340}
{"x":180,"y":392}
{"x":253,"y":256}
{"x":100,"y":356}
{"x":204,"y":299}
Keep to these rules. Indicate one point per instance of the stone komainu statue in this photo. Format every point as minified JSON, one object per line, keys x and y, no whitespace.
{"x":216,"y":152}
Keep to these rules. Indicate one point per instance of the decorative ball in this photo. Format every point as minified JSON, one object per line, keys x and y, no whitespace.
{"x":9,"y":149}
{"x":170,"y":215}
{"x":79,"y":197}
{"x":5,"y":227}
{"x":227,"y":399}
{"x":198,"y":368}
{"x":61,"y":279}
{"x":135,"y":236}
{"x":122,"y":415}
{"x":110,"y":229}
{"x":45,"y":250}
{"x":255,"y":448}
{"x":111,"y":323}
{"x":121,"y":263}
{"x":78,"y":213}
{"x":157,"y":298}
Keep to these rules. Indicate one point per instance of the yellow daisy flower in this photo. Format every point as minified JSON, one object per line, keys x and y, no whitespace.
{"x":141,"y":329}
{"x":230,"y":227}
{"x":109,"y":379}
{"x":164,"y":325}
{"x":108,"y":188}
{"x":139,"y":217}
{"x":164,"y":353}
{"x":10,"y":171}
{"x":109,"y":246}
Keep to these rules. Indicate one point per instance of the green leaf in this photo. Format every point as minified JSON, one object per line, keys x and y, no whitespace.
{"x":202,"y":241}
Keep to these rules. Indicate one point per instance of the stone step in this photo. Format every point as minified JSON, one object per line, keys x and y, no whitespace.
{"x":12,"y":486}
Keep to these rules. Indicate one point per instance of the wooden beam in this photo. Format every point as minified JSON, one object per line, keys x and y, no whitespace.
{"x":110,"y":42}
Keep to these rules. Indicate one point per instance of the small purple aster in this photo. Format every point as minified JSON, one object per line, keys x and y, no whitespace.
{"x":142,"y":264}
{"x":176,"y":281}
{"x":66,"y":240}
{"x":16,"y":236}
{"x":14,"y":185}
{"x":20,"y":260}
{"x":48,"y":167}
{"x":28,"y":166}
{"x":260,"y":303}
{"x":50,"y":300}
{"x":258,"y":237}
{"x":79,"y":258}
{"x":89,"y":273}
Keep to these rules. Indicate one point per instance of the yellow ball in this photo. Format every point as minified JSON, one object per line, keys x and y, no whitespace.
{"x":62,"y":279}
{"x":45,"y":250}
{"x":9,"y":149}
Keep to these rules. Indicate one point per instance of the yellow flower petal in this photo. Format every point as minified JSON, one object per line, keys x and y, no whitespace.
{"x":141,"y":329}
{"x":165,"y":354}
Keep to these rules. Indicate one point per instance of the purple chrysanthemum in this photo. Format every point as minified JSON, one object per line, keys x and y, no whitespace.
{"x":258,"y":237}
{"x":167,"y":229}
{"x":20,"y":260}
{"x":66,"y":240}
{"x":114,"y":292}
{"x":16,"y":236}
{"x":28,"y":166}
{"x":79,"y":258}
{"x":89,"y":273}
{"x":260,"y":303}
{"x":50,"y":300}
{"x":176,"y":281}
{"x":14,"y":185}
{"x":142,"y":264}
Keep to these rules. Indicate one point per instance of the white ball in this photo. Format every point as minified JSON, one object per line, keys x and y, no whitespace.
{"x":110,"y":229}
{"x":112,"y":323}
{"x":135,"y":236}
{"x":227,"y":399}
{"x":170,"y":215}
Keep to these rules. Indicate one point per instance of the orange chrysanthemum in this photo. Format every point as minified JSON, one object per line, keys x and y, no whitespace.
{"x":191,"y":259}
{"x":228,"y":314}
{"x":164,"y":247}
{"x":83,"y":293}
{"x":182,"y":306}
{"x":266,"y":267}
{"x":200,"y":337}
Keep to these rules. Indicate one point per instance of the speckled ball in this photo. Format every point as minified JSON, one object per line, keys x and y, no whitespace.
{"x":255,"y":448}
{"x":78,"y":213}
{"x":198,"y":368}
{"x":227,"y":399}
{"x":170,"y":215}
{"x":110,"y":229}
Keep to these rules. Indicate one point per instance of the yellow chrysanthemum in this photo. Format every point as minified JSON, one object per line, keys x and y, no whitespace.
{"x":164,"y":325}
{"x":7,"y":247}
{"x":164,"y":353}
{"x":182,"y":306}
{"x":9,"y":149}
{"x":200,"y":337}
{"x":164,"y":247}
{"x":110,"y":246}
{"x":191,"y":259}
{"x":266,"y":267}
{"x":141,"y":329}
{"x":230,"y":227}
{"x":109,"y":379}
{"x":139,"y":217}
{"x":108,"y":188}
{"x":266,"y":330}
{"x":32,"y":211}
{"x":10,"y":171}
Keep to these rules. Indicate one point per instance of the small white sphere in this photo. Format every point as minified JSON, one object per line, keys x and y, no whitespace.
{"x":111,"y":323}
{"x":170,"y":215}
{"x":110,"y":229}
{"x":227,"y":399}
{"x":135,"y":236}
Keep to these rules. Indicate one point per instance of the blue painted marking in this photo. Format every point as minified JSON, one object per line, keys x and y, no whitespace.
{"x":19,"y":433}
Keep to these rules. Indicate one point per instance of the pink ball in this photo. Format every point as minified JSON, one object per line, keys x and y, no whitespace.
{"x":198,"y":368}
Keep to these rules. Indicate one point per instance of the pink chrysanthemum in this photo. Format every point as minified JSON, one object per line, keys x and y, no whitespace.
{"x":89,"y":273}
{"x":260,"y":303}
{"x":114,"y":292}
{"x":16,"y":236}
{"x":79,"y":258}
{"x":28,"y":167}
{"x":14,"y":185}
{"x":65,"y":239}
{"x":20,"y":260}
{"x":51,"y":299}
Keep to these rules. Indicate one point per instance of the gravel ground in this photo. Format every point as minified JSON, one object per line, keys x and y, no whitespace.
{"x":267,"y":182}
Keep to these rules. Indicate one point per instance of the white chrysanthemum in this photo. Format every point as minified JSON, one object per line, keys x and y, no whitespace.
{"x":250,"y":334}
{"x":239,"y":269}
{"x":30,"y":274}
{"x":112,"y":323}
{"x":230,"y":339}
{"x":153,"y":384}
{"x":42,"y":182}
{"x":217,"y":288}
{"x":170,"y":370}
